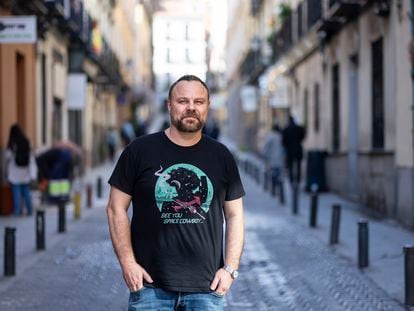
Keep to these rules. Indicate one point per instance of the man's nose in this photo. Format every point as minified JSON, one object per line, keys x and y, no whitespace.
{"x":190,"y":105}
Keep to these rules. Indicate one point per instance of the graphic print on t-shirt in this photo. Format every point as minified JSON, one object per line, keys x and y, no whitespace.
{"x":183,"y":194}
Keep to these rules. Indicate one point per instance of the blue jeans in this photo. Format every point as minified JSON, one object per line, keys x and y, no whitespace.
{"x":19,"y":191}
{"x":276,"y":176}
{"x":157,"y":299}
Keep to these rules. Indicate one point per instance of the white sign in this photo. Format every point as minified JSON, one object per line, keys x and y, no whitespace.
{"x":279,"y":97}
{"x":18,"y":29}
{"x":76,"y":91}
{"x":248,"y":98}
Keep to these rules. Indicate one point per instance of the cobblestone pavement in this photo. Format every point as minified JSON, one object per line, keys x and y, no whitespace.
{"x":283,"y":268}
{"x":81,"y":273}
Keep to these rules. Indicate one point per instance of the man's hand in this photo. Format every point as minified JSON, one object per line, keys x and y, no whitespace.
{"x":134,"y":276}
{"x":221,"y":282}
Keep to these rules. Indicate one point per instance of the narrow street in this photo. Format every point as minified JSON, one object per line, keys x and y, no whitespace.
{"x":283,"y":268}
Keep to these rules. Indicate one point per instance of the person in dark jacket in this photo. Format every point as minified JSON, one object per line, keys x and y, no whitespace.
{"x":292,"y":137}
{"x":56,"y":170}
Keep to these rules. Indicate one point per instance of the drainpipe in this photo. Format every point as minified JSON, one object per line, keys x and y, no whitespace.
{"x":412,"y":100}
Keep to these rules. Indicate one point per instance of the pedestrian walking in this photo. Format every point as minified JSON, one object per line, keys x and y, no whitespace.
{"x":111,"y":140}
{"x":211,"y":128}
{"x":57,"y":170}
{"x":183,"y":186}
{"x":292,"y":137}
{"x":127,"y":133}
{"x":273,"y":154}
{"x":21,"y":169}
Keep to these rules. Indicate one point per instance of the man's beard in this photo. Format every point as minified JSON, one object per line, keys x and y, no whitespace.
{"x":186,"y":127}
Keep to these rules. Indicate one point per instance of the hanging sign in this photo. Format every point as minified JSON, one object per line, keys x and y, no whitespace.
{"x":18,"y":29}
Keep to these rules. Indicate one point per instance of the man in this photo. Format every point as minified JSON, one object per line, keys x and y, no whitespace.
{"x":273,"y":154}
{"x":181,"y":184}
{"x":292,"y":137}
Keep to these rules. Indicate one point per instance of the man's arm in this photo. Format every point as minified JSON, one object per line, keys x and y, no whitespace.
{"x":233,"y":212}
{"x":119,"y":228}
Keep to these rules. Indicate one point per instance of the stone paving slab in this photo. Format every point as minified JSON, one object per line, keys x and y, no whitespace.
{"x":284,"y":268}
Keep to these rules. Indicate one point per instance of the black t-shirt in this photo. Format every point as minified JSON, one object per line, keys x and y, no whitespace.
{"x":178,"y":195}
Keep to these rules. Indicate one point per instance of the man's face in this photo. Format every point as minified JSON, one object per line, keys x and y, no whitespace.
{"x":188,"y":106}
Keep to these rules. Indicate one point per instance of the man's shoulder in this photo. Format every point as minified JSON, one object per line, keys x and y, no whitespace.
{"x":145,"y":139}
{"x":213,"y":143}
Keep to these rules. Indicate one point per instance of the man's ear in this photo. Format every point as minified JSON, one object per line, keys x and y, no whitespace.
{"x":168,"y":103}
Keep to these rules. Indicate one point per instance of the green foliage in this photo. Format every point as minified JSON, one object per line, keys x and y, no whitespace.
{"x":271,"y":38}
{"x":284,"y":11}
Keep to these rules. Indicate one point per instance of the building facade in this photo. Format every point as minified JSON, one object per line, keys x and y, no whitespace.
{"x":77,"y":76}
{"x":345,"y":68}
{"x":179,"y":43}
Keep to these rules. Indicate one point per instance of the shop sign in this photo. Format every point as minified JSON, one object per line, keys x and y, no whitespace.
{"x":76,"y":95}
{"x":18,"y":29}
{"x":248,"y":98}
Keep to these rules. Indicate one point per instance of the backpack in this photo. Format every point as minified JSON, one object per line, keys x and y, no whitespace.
{"x":22,"y":155}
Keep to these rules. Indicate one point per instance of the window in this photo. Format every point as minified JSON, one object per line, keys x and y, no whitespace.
{"x":187,"y":56}
{"x":168,"y":56}
{"x":377,"y":96}
{"x":299,"y":17}
{"x":75,"y":126}
{"x":187,"y":32}
{"x":57,"y":120}
{"x":336,"y":118}
{"x":316,"y":108}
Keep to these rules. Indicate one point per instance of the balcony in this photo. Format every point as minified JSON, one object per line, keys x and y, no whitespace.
{"x":382,"y":8}
{"x":330,"y":27}
{"x":79,"y":22}
{"x":34,"y":7}
{"x":255,"y":7}
{"x":348,"y":9}
{"x":56,"y":7}
{"x":252,"y":66}
{"x":285,"y":35}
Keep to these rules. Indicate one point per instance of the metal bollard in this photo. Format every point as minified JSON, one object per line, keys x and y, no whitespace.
{"x":254,"y":171}
{"x":61,"y":217}
{"x":409,"y":274}
{"x":335,"y":222}
{"x":257,"y":174}
{"x":40,"y":230}
{"x":99,"y":187}
{"x":265,"y":180}
{"x":363,"y":244}
{"x":273,"y":185}
{"x":77,"y":205}
{"x":89,"y":195}
{"x":295,"y":199}
{"x":10,"y":251}
{"x":282,"y":193}
{"x":313,"y":209}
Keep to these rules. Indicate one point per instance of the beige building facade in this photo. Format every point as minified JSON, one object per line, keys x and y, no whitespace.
{"x":345,"y":71}
{"x":80,"y":73}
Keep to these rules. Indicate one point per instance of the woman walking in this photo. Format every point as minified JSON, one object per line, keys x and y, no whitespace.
{"x":21,"y":169}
